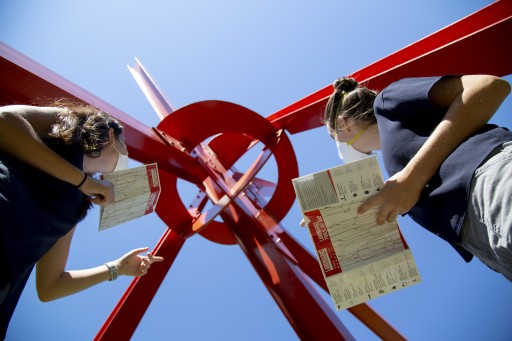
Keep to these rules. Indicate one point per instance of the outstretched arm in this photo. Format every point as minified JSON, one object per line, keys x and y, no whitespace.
{"x":53,"y":281}
{"x":471,"y":101}
{"x":22,"y":129}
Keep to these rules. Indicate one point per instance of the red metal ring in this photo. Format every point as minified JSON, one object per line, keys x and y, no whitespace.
{"x":195,"y":123}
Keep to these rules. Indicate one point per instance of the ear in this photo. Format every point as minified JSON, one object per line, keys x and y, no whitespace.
{"x":345,"y":124}
{"x":111,"y":135}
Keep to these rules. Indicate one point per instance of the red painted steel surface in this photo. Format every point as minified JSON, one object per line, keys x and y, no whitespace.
{"x":249,"y":220}
{"x":132,"y":306}
{"x":223,"y":117}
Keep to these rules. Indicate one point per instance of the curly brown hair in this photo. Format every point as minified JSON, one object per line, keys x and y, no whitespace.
{"x":84,"y":125}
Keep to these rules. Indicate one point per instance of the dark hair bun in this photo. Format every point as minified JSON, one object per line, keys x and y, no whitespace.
{"x":344,"y":84}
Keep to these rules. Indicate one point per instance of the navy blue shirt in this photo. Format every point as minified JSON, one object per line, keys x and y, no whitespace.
{"x":406,"y":118}
{"x":36,"y":209}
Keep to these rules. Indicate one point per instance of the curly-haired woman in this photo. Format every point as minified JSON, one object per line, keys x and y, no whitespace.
{"x":47,"y":158}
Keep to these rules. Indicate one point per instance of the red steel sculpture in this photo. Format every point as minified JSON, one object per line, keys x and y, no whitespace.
{"x":474,"y":44}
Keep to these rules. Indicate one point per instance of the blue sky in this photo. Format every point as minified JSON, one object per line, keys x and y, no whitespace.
{"x":263,"y":55}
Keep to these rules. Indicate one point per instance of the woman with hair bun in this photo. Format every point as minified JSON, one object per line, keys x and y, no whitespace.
{"x":450,"y":170}
{"x":48,"y":156}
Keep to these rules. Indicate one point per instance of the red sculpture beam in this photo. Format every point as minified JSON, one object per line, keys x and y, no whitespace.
{"x":155,"y":96}
{"x":169,"y":246}
{"x":476,"y":44}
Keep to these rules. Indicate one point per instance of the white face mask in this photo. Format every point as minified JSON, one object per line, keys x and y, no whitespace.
{"x":347,"y":153}
{"x":122,"y":160}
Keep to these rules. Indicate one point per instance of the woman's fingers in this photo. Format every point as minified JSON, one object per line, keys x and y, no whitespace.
{"x":387,"y":212}
{"x":101,"y":191}
{"x":392,"y":215}
{"x":139,"y":250}
{"x":146,"y":262}
{"x":153,"y":259}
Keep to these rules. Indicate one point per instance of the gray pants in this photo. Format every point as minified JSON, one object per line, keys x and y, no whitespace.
{"x":487,"y":228}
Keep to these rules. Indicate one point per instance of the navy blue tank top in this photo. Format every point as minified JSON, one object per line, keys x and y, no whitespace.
{"x":36,"y":209}
{"x":406,"y":118}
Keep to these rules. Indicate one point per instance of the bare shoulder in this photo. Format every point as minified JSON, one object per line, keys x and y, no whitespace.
{"x":29,"y":109}
{"x":40,"y":118}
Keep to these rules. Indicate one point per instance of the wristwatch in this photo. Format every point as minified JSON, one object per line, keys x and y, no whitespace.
{"x":113,"y":270}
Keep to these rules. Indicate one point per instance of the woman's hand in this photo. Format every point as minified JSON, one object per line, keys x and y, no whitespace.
{"x":398,"y":195}
{"x":101,"y":191}
{"x":132,"y":264}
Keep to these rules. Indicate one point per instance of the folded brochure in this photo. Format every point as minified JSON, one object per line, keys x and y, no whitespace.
{"x":136,"y":194}
{"x":360,"y":260}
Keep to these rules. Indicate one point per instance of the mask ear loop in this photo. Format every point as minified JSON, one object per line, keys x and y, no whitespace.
{"x":118,"y":152}
{"x":357,"y":136}
{"x":113,"y":145}
{"x":335,"y":116}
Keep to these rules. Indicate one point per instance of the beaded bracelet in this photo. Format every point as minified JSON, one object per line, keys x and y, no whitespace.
{"x":83,"y":180}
